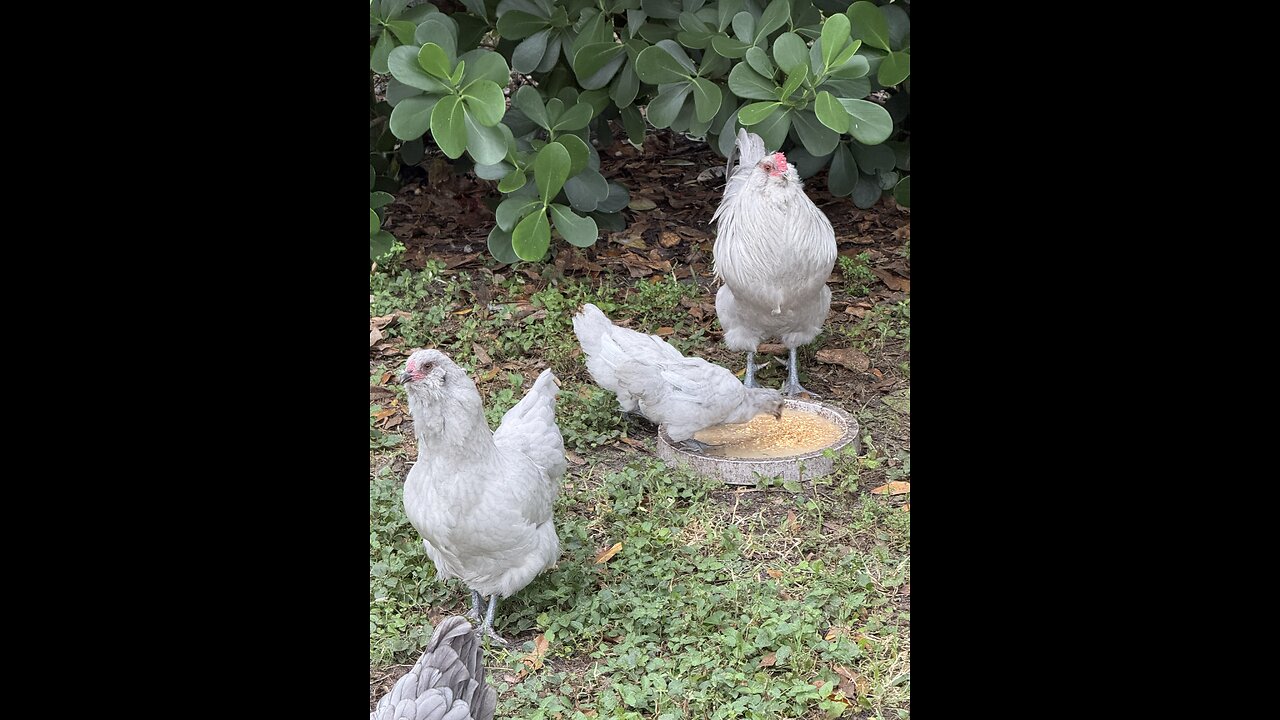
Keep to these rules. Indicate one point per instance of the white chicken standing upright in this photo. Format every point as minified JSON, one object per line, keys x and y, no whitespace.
{"x":447,"y":682}
{"x":648,"y":374}
{"x":482,"y":500}
{"x":774,"y":251}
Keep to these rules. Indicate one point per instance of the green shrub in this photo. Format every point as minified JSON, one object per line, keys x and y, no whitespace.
{"x":796,"y":72}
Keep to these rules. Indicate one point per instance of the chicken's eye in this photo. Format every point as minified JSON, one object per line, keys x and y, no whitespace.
{"x":768,"y":167}
{"x":425,"y":368}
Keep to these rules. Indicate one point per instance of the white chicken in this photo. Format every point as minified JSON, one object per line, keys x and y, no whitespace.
{"x":447,"y":682}
{"x":774,"y":250}
{"x":482,"y":500}
{"x":648,"y":374}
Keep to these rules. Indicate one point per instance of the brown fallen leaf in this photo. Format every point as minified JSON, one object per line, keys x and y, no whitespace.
{"x":772,"y":349}
{"x":848,"y":358}
{"x":632,"y":443}
{"x":906,"y":508}
{"x":791,"y":518}
{"x":533,"y":660}
{"x":604,"y":556}
{"x":639,"y":202}
{"x":668,"y":239}
{"x":374,"y":336}
{"x":664,"y":331}
{"x":897,"y":487}
{"x":574,"y":458}
{"x":775,"y":574}
{"x":387,"y":412}
{"x":851,"y":683}
{"x":892,"y":281}
{"x":768,"y":660}
{"x":482,"y":357}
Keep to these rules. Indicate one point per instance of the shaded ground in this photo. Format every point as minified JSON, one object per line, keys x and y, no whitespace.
{"x":506,"y":323}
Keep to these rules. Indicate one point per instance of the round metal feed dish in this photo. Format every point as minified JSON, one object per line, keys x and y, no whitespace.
{"x":743,"y":471}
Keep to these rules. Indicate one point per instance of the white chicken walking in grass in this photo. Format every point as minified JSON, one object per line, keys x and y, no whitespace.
{"x":774,"y":251}
{"x":447,"y":682}
{"x":648,"y":374}
{"x":482,"y":500}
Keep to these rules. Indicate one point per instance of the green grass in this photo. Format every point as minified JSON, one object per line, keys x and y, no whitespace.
{"x":723,"y":602}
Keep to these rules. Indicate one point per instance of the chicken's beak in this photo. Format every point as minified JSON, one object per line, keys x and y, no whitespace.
{"x":403,"y":378}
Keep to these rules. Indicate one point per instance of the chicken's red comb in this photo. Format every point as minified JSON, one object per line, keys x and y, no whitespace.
{"x":779,"y":163}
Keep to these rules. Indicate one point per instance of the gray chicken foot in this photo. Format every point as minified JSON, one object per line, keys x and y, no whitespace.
{"x":475,"y":613}
{"x":792,"y":386}
{"x":749,"y":380}
{"x":486,"y":628}
{"x":695,"y":446}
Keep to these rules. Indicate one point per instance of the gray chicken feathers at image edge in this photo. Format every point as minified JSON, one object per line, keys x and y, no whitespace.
{"x":447,"y":683}
{"x":647,"y":374}
{"x":482,"y":500}
{"x":774,"y":251}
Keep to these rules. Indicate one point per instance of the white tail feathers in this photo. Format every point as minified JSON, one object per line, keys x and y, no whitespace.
{"x":590,"y":325}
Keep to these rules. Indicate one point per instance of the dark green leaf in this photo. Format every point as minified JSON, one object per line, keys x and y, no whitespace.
{"x":380,"y":244}
{"x":512,"y":209}
{"x":870,"y":124}
{"x":500,"y":246}
{"x":789,"y":51}
{"x":532,"y":236}
{"x":552,"y":56}
{"x":744,"y":27}
{"x":887,"y":180}
{"x":755,"y":113}
{"x":486,"y":102}
{"x":403,"y":63}
{"x":496,"y":171}
{"x":835,"y":33}
{"x":597,"y":63}
{"x":625,"y":86}
{"x":844,"y":172}
{"x":747,"y":83}
{"x":657,"y":66}
{"x":661,"y":9}
{"x":677,"y":52}
{"x":476,"y":7}
{"x":873,"y":158}
{"x":795,"y":77}
{"x":866,"y":191}
{"x":550,"y":170}
{"x":512,"y":182}
{"x":706,"y":98}
{"x":578,"y":152}
{"x":485,"y":65}
{"x":529,"y":102}
{"x":617,"y":199}
{"x":374,"y":222}
{"x":514,"y":25}
{"x":854,"y":89}
{"x":729,"y":47}
{"x":403,"y":30}
{"x":726,"y":10}
{"x":817,"y":138}
{"x":586,"y":189}
{"x":830,"y":112}
{"x":411,"y":152}
{"x":528,"y":54}
{"x":805,"y":162}
{"x":774,"y":17}
{"x":555,"y":108}
{"x":379,"y":199}
{"x":578,"y":231}
{"x":634,"y":125}
{"x":448,"y":125}
{"x":759,"y":61}
{"x":383,"y":48}
{"x":412,"y":116}
{"x":773,"y":129}
{"x":610,"y":222}
{"x":397,"y":91}
{"x":868,"y":23}
{"x":487,"y":145}
{"x":855,"y":67}
{"x":894,"y":69}
{"x":433,"y":59}
{"x":899,"y":25}
{"x":440,"y":29}
{"x":455,"y":78}
{"x":664,"y":108}
{"x":391,"y":9}
{"x":575,"y":118}
{"x":902,"y":193}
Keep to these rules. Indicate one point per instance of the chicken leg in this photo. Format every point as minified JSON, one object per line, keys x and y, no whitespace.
{"x":749,"y":379}
{"x":792,"y":386}
{"x":695,"y":445}
{"x":486,"y":628}
{"x":476,"y":613}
